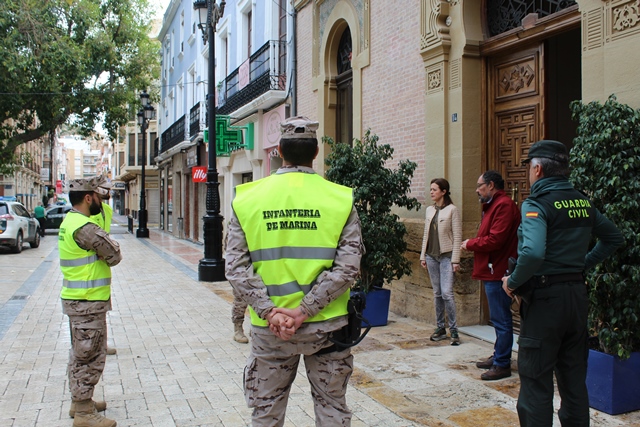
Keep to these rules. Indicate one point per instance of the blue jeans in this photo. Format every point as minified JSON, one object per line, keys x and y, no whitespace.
{"x":441,"y":274}
{"x":500,"y":315}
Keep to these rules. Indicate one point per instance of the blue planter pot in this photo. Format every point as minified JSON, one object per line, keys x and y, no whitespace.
{"x":613,"y":384}
{"x":377,"y":309}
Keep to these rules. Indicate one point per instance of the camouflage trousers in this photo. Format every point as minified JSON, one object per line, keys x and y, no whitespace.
{"x":88,"y":353}
{"x":271,"y":370}
{"x":238,"y":309}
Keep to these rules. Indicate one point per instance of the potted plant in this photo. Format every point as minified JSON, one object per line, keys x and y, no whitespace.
{"x":377,"y":188}
{"x":605,"y":162}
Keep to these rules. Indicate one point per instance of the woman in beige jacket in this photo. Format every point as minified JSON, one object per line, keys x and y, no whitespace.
{"x":441,"y":256}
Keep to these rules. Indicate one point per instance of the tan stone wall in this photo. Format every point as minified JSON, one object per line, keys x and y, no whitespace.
{"x":610,"y":39}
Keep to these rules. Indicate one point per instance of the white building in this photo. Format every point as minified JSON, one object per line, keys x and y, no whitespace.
{"x":253,"y":62}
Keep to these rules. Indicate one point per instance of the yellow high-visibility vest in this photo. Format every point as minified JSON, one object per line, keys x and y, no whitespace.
{"x":292,"y":222}
{"x":103,"y":219}
{"x":85,"y":276}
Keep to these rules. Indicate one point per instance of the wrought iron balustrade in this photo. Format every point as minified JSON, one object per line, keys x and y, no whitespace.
{"x":174,"y":135}
{"x":505,"y":15}
{"x":267,"y":71}
{"x":194,"y":121}
{"x":155,"y":151}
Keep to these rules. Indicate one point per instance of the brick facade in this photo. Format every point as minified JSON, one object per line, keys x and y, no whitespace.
{"x":394,"y":85}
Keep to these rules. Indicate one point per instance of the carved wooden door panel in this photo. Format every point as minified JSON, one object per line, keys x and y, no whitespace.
{"x":516,"y":115}
{"x":515,"y":98}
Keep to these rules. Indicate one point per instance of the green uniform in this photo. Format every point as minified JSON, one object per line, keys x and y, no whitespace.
{"x":553,"y":250}
{"x":41,"y":216}
{"x":39,"y":212}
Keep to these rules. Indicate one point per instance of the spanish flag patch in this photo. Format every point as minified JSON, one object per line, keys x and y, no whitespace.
{"x":531,"y":215}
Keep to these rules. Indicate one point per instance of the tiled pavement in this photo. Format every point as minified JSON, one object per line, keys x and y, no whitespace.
{"x":178,"y":366}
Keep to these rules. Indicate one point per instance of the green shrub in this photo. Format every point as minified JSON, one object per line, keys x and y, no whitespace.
{"x":605,"y":162}
{"x":376,"y":189}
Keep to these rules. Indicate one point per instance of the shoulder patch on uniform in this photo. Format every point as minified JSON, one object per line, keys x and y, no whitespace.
{"x":531,"y":215}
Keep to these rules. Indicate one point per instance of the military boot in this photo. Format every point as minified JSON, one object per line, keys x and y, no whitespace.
{"x":238,"y":334}
{"x":100,"y":407}
{"x":87,"y":416}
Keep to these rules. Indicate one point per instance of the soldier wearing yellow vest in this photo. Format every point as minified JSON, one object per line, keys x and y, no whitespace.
{"x":293,"y":250}
{"x":104,"y":217}
{"x":86,"y":257}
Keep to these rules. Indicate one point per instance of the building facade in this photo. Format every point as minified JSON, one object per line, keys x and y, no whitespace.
{"x":252,"y":42}
{"x":459,"y":87}
{"x":130,"y":152}
{"x":29,"y":182}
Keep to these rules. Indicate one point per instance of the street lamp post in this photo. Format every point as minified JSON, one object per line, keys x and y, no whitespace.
{"x":144,"y":116}
{"x":211,"y":267}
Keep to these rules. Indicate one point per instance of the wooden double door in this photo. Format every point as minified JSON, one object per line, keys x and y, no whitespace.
{"x":528,"y":93}
{"x":516,"y":110}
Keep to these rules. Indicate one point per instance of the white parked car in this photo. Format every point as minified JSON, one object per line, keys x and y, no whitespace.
{"x":17,"y":226}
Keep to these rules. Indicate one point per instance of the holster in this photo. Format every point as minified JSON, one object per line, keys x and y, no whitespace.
{"x":350,"y":334}
{"x":524,"y":291}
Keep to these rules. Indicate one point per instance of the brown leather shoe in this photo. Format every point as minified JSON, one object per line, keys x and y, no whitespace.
{"x":486,"y":363}
{"x":496,"y":373}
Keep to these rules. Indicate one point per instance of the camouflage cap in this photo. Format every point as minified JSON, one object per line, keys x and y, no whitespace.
{"x":298,"y":127}
{"x":89,"y":184}
{"x":104,"y":182}
{"x":549,"y":149}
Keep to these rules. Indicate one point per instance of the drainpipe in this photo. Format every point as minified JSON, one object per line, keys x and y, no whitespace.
{"x":294,"y":65}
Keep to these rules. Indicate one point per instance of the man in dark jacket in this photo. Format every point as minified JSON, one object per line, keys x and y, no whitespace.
{"x":497,"y":240}
{"x":558,"y":223}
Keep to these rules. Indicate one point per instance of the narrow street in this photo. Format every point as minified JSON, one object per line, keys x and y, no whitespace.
{"x":177,"y":364}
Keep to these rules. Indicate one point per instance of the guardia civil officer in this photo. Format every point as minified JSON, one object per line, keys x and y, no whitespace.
{"x":293,"y":250}
{"x":553,"y":251}
{"x":86,"y":257}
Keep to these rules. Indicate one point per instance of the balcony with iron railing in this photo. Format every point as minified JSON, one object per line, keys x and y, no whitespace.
{"x":174,"y":135}
{"x":194,"y":121}
{"x":156,"y":143}
{"x":266,"y":71}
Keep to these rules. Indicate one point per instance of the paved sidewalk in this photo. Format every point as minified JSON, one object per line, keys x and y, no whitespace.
{"x":177,"y":364}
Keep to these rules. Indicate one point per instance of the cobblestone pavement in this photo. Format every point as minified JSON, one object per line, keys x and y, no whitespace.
{"x":177,"y":364}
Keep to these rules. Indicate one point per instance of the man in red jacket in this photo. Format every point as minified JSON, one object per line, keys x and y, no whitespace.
{"x":497,"y":240}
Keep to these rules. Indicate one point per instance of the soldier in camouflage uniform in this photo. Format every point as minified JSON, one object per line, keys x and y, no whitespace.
{"x":294,"y":241}
{"x":103,"y":219}
{"x":238,"y":310}
{"x":86,"y":256}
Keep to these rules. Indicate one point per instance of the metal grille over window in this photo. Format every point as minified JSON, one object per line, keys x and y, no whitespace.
{"x":344,"y":52}
{"x":505,"y":15}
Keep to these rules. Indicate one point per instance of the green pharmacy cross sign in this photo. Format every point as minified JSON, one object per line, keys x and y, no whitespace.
{"x":229,"y":138}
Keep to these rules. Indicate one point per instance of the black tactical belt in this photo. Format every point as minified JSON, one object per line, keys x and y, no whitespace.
{"x":544,"y":281}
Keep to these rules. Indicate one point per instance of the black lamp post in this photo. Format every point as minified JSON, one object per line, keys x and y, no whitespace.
{"x":211,"y":267}
{"x":144,"y":115}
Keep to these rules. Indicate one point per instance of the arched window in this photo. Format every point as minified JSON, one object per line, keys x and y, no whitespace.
{"x":505,"y":15}
{"x":344,"y":83}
